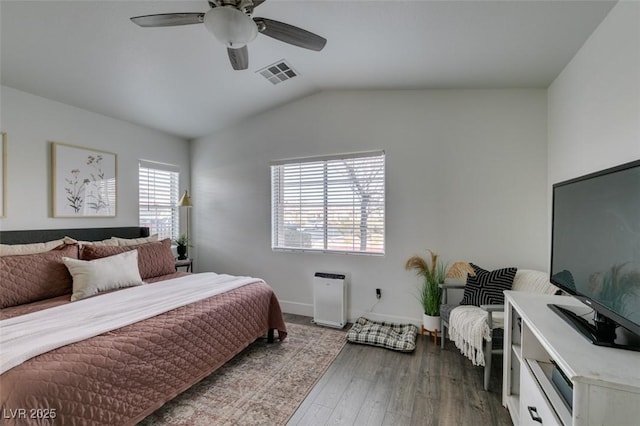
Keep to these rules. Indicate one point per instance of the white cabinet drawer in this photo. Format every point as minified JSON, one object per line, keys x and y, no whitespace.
{"x":535,"y":409}
{"x":605,"y":381}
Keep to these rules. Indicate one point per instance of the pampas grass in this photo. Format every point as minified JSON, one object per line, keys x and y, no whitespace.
{"x":432,"y":273}
{"x":419,"y":264}
{"x":460,"y":270}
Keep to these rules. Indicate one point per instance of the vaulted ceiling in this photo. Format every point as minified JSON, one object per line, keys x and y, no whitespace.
{"x":179,"y":80}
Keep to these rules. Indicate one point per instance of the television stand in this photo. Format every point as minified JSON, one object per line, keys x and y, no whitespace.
{"x":603,"y":336}
{"x":605,"y":382}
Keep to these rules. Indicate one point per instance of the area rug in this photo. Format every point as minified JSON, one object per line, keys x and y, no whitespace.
{"x":263,"y":385}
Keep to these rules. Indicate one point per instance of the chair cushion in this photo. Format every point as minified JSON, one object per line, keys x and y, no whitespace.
{"x":533,"y":281}
{"x":399,"y":337}
{"x":445,"y":312}
{"x":486,"y":287}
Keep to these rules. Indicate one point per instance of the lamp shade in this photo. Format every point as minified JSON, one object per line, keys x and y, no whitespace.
{"x":230,"y":26}
{"x":185,"y":200}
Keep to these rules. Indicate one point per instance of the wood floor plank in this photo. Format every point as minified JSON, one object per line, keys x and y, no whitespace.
{"x":374,"y":357}
{"x":333,"y":390}
{"x":371,"y":413}
{"x":315,"y":415}
{"x":396,"y":419}
{"x":349,"y":406}
{"x":403,"y":396}
{"x":368,"y":385}
{"x":377,"y":400}
{"x":335,"y":368}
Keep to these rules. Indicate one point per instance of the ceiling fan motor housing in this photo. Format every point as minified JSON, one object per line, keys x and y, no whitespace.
{"x":230,"y":26}
{"x":231,"y":23}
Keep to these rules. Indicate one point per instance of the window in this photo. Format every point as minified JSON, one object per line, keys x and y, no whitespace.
{"x":158,"y":198}
{"x":329,"y":204}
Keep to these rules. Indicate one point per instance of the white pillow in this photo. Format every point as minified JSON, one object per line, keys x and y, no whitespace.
{"x":135,"y":241}
{"x":17,"y":249}
{"x":107,"y":242}
{"x":91,"y":277}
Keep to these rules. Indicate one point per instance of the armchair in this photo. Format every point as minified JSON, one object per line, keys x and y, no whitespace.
{"x":486,"y":321}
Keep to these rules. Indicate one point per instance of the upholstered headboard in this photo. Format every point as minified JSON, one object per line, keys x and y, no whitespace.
{"x":83,"y":234}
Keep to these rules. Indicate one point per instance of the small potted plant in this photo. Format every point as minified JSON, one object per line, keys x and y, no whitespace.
{"x":182,"y":242}
{"x":430,"y":293}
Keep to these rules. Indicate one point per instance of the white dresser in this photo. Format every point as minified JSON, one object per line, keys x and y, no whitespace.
{"x":606,"y":381}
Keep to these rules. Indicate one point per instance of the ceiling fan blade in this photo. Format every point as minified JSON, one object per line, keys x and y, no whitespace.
{"x":239,"y":58}
{"x":168,"y":19}
{"x":290,"y":34}
{"x":257,"y":3}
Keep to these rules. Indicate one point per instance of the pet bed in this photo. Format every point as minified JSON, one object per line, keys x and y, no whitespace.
{"x":399,"y":337}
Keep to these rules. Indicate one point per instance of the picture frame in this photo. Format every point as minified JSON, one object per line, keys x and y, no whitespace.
{"x":3,"y":175}
{"x":84,"y":181}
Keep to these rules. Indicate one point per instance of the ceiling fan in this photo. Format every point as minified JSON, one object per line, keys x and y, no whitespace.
{"x":231,"y":22}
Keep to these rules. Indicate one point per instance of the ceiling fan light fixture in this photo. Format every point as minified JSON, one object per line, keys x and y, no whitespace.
{"x":230,"y":26}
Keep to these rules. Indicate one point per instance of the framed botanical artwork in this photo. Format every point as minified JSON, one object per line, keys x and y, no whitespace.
{"x":84,"y":181}
{"x":3,"y":175}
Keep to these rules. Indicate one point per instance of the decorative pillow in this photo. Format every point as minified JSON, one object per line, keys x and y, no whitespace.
{"x":154,"y":259}
{"x":33,"y":277}
{"x":134,"y":241}
{"x":91,"y":277}
{"x":19,"y":249}
{"x":486,"y":287}
{"x":107,"y":242}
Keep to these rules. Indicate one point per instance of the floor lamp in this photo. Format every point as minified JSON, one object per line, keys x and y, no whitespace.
{"x":185,"y":201}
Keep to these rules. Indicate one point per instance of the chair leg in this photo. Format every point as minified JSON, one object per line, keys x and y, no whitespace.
{"x":487,"y":364}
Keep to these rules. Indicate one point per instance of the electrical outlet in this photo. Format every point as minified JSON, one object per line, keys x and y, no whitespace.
{"x":378,"y":293}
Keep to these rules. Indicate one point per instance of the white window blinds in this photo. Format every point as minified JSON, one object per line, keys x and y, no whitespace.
{"x":158,"y":198}
{"x":329,"y":204}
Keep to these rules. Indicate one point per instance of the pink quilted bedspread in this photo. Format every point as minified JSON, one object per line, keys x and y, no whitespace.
{"x":120,"y":377}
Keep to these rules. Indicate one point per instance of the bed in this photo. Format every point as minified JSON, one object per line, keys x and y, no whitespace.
{"x":121,"y":375}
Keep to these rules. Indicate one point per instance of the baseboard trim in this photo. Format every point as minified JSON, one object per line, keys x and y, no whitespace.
{"x":306,"y":309}
{"x":296,"y":308}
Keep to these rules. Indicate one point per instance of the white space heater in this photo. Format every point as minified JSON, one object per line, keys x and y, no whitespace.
{"x":329,"y":300}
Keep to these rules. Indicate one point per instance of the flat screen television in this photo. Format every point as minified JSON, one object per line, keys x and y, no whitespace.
{"x":595,"y":252}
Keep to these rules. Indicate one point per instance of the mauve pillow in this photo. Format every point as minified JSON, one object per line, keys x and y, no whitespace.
{"x":154,"y":259}
{"x":32,"y":277}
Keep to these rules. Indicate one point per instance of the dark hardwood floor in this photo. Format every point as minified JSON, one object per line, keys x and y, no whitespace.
{"x":367,"y":385}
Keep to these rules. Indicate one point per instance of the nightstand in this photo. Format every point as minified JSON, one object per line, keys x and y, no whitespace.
{"x":185,"y":263}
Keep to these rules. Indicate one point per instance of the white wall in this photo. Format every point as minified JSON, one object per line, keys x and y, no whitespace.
{"x":594,"y":104}
{"x":466,"y":176}
{"x":32,"y":122}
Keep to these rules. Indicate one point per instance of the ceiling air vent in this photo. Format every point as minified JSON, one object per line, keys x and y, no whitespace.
{"x":278,"y":72}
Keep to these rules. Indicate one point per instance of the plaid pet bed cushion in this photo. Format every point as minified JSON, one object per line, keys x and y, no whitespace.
{"x":399,"y":337}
